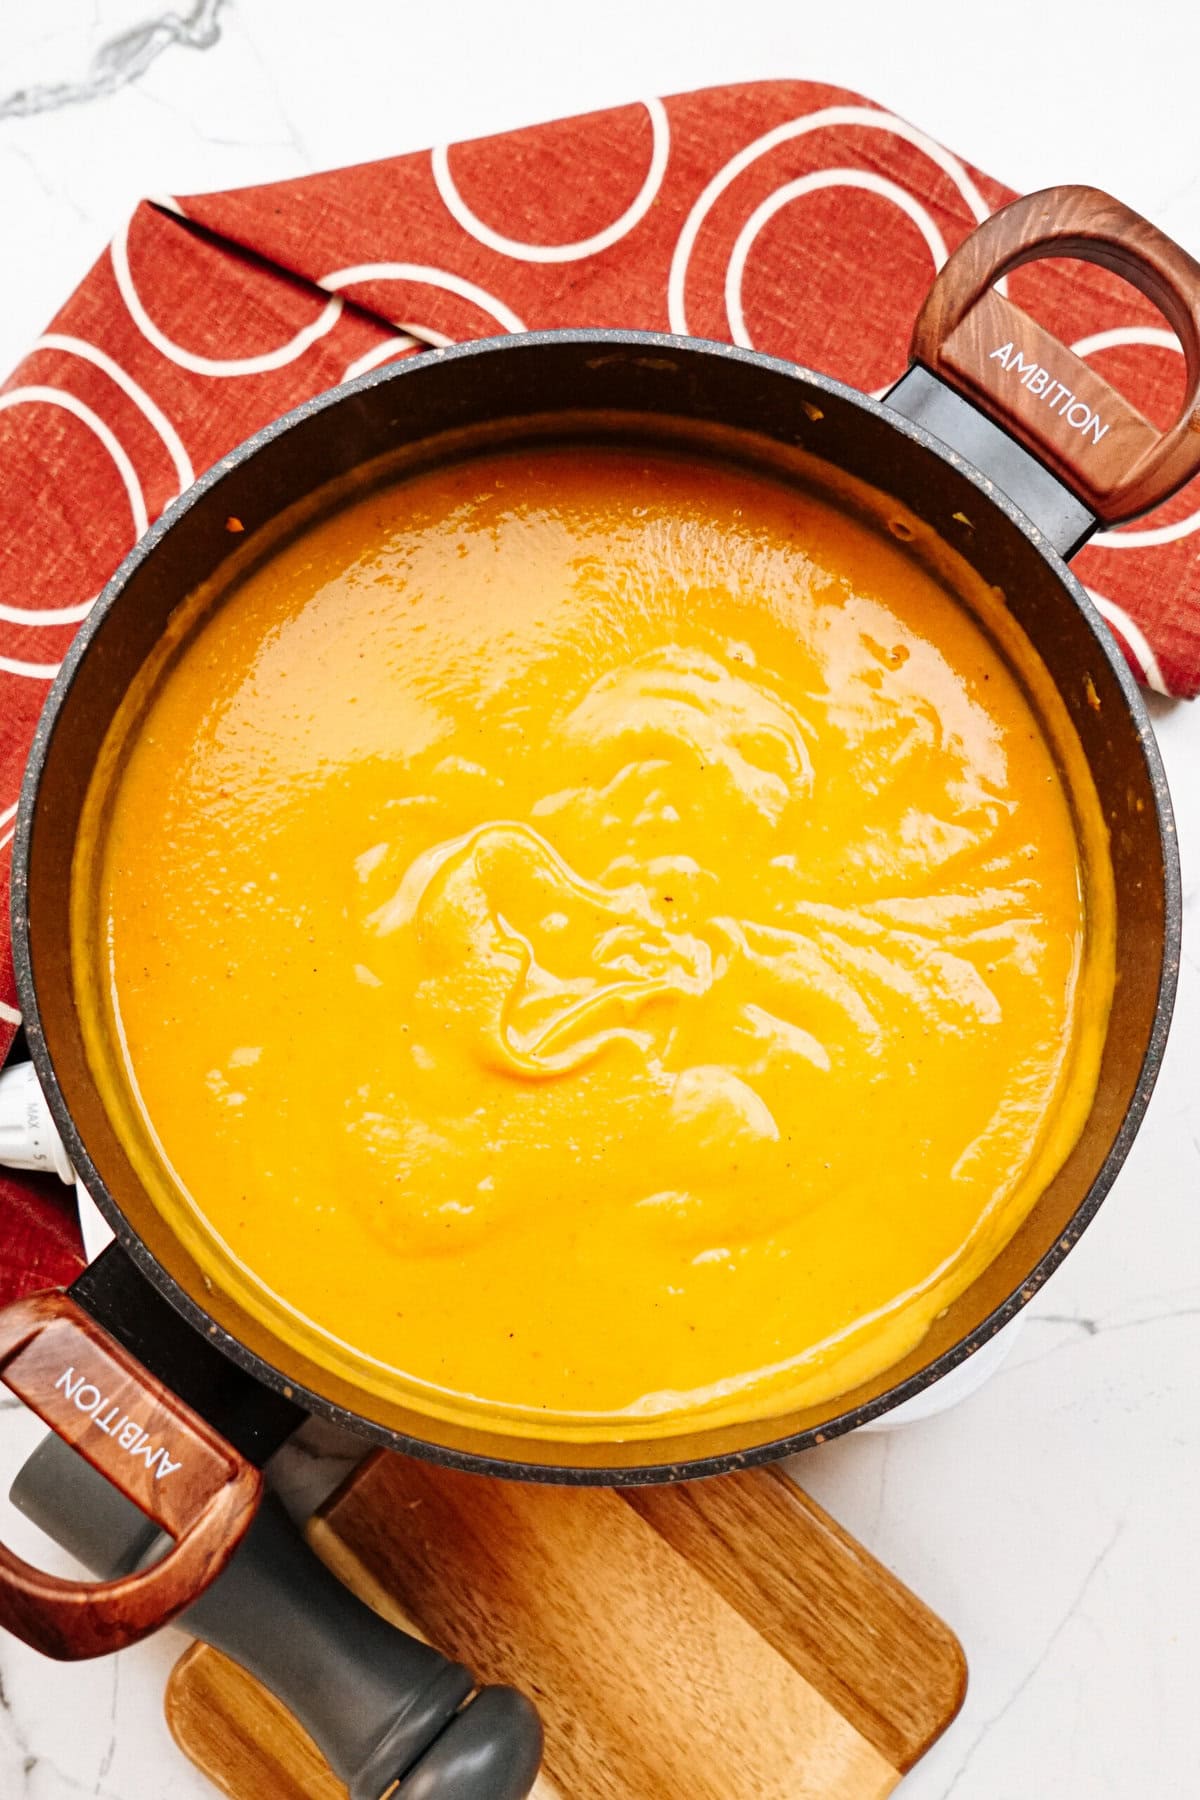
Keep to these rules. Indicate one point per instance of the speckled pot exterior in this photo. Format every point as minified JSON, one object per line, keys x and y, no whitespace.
{"x":627,"y":377}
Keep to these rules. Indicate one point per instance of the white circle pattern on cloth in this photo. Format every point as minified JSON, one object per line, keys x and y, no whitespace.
{"x":221,"y":366}
{"x":422,"y":275}
{"x":475,"y":227}
{"x":830,"y":117}
{"x":815,"y":182}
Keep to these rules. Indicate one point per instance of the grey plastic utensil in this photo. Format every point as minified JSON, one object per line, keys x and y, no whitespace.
{"x":382,"y":1706}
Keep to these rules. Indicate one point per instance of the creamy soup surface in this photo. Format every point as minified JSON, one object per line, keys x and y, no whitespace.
{"x":595,"y":933}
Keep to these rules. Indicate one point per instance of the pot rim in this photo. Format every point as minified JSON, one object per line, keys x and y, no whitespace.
{"x":566,"y":1472}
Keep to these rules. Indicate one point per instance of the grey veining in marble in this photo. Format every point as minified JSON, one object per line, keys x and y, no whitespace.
{"x":120,"y":60}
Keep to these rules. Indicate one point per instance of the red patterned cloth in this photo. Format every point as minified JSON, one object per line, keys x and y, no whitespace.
{"x":797,"y":218}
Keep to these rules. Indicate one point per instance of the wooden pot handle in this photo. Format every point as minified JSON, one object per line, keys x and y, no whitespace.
{"x":159,"y":1453}
{"x":1037,"y":389}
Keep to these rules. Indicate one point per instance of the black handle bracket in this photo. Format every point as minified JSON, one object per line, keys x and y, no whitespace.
{"x":1063,"y":520}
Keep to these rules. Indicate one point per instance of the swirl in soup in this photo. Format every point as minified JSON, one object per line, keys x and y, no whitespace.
{"x":599,"y":934}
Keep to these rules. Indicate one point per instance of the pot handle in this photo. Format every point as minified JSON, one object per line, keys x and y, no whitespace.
{"x":153,"y":1448}
{"x":1033,"y":386}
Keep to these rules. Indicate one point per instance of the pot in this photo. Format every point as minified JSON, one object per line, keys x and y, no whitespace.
{"x":1001,"y":442}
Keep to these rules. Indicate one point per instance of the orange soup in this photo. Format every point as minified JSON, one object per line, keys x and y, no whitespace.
{"x":596,"y":934}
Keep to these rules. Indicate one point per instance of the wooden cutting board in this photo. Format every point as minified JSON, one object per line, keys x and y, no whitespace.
{"x":723,"y":1640}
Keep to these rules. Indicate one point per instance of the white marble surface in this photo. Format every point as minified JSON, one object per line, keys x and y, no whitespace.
{"x":1051,"y":1518}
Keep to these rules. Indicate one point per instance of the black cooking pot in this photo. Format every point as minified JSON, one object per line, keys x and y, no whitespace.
{"x":145,"y":1363}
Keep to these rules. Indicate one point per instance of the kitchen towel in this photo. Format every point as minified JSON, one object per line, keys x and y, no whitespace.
{"x":797,"y":218}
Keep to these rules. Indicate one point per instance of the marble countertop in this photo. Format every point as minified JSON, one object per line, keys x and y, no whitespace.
{"x":1051,"y":1517}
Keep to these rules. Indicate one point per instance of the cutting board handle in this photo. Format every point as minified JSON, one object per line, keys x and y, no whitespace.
{"x":381,"y":1706}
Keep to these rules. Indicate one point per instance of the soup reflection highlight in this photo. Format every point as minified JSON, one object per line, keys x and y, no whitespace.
{"x":595,"y":935}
